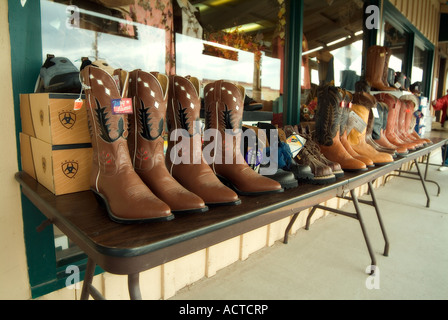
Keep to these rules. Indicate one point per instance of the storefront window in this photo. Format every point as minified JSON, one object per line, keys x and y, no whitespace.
{"x":99,"y":33}
{"x":332,"y":51}
{"x":238,"y":41}
{"x":418,"y":65}
{"x":397,"y":42}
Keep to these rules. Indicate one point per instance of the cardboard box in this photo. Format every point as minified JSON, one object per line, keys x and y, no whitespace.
{"x":61,"y":169}
{"x":50,"y":117}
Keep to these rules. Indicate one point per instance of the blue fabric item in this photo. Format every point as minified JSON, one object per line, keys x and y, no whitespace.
{"x":284,"y":158}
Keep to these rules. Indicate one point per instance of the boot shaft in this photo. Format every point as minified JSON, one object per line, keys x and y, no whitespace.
{"x":109,"y":131}
{"x":224,"y":106}
{"x":149,"y":93}
{"x":328,"y":115}
{"x":184,"y":104}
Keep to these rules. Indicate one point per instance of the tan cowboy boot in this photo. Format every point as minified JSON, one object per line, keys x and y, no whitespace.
{"x":150,"y":94}
{"x":113,"y":179}
{"x":184,"y":157}
{"x":224,"y":104}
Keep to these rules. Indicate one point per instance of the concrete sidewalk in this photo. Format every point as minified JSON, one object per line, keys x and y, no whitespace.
{"x":330,"y":260}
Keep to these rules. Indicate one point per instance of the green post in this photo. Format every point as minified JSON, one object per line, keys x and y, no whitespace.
{"x":293,"y":62}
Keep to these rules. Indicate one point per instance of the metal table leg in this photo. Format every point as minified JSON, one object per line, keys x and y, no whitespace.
{"x":288,"y":228}
{"x":134,"y":286}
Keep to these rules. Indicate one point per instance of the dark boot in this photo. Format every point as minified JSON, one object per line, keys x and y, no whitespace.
{"x":321,"y":173}
{"x":328,"y":117}
{"x":113,"y":179}
{"x":224,"y":115}
{"x":184,"y":157}
{"x":150,"y":93}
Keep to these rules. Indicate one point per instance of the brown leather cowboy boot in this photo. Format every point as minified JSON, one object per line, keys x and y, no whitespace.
{"x":346,"y":109}
{"x":184,"y":157}
{"x":362,"y":103}
{"x":328,"y":117}
{"x":113,"y":179}
{"x":375,"y":68}
{"x":149,"y":92}
{"x":224,"y":104}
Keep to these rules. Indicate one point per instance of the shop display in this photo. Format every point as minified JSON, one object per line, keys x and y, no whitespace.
{"x":149,"y":93}
{"x":224,"y":105}
{"x":183,"y":121}
{"x":113,"y":179}
{"x":327,"y":131}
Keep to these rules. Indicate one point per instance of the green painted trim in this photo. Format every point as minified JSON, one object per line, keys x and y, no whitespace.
{"x":293,"y":62}
{"x":399,"y":21}
{"x":26,"y":60}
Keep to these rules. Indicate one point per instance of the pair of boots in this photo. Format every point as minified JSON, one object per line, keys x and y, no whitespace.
{"x":346,"y":147}
{"x":129,"y":171}
{"x":399,"y":114}
{"x":377,"y":68}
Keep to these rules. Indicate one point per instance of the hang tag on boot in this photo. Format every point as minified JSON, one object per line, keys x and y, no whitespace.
{"x":355,"y":122}
{"x":295,"y":143}
{"x":78,"y":104}
{"x":122,"y":106}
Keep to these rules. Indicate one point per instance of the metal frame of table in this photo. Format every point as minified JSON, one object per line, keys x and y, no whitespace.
{"x":131,"y":249}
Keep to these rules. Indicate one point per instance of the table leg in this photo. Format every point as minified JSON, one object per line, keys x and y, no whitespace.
{"x":364,"y":232}
{"x":422,"y":179}
{"x":380,"y":220}
{"x":288,"y":228}
{"x":134,"y":286}
{"x":88,"y":277}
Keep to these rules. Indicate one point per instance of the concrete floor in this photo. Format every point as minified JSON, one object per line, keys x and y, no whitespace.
{"x":330,"y":260}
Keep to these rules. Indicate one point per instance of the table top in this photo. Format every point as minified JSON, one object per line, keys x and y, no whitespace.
{"x":84,"y":221}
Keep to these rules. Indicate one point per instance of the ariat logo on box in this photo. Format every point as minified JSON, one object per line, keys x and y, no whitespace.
{"x":70,"y":168}
{"x":67,"y":119}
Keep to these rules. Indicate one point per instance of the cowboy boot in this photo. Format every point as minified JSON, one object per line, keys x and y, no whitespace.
{"x":400,"y":128}
{"x":362,"y":103}
{"x":224,"y":116}
{"x":393,"y":106}
{"x":375,"y":68}
{"x":410,"y":120}
{"x":113,"y":179}
{"x":149,"y":92}
{"x":373,"y":118}
{"x":184,"y":159}
{"x":385,"y":76}
{"x":328,"y":117}
{"x":382,"y":140}
{"x":346,"y":106}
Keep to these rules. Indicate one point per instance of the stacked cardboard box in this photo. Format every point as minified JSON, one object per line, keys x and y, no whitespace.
{"x":55,"y":144}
